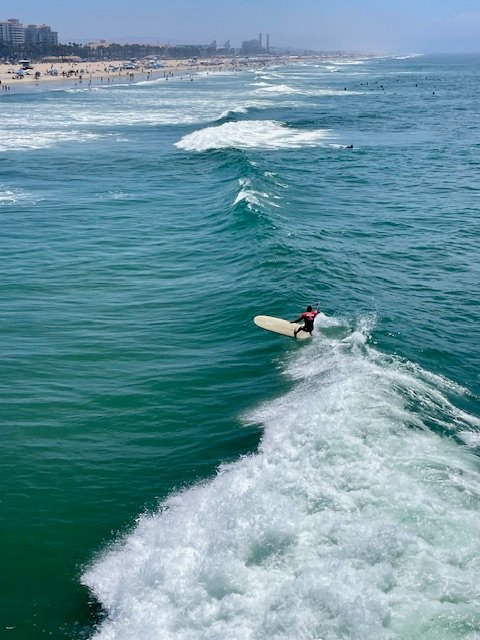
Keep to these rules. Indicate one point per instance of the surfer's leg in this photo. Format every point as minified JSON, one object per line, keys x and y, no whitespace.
{"x":297,"y":330}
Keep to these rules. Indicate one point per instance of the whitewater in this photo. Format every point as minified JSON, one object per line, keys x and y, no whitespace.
{"x":351,"y":520}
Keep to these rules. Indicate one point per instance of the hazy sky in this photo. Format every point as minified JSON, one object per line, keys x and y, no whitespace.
{"x":408,"y":26}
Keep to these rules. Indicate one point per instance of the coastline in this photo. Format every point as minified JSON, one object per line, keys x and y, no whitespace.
{"x":106,"y":73}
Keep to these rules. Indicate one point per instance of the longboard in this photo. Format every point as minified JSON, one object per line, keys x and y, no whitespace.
{"x":278,"y":325}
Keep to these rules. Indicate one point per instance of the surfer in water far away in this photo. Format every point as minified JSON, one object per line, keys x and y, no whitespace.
{"x":308,"y":320}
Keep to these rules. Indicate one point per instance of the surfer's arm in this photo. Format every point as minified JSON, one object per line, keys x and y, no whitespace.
{"x":297,"y":320}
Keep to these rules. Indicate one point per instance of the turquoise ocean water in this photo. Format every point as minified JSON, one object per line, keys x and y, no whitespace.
{"x":168,"y":469}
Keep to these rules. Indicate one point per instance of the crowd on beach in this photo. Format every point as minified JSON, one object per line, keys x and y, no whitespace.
{"x":75,"y":73}
{"x":111,"y":72}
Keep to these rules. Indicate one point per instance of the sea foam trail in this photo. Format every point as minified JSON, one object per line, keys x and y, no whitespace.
{"x":351,"y":521}
{"x":251,"y":134}
{"x":14,"y":196}
{"x":19,"y":140}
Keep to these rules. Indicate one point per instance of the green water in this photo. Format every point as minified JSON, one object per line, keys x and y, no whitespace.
{"x":131,"y":271}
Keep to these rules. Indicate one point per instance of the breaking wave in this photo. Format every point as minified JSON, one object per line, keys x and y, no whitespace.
{"x":352,"y":520}
{"x":251,"y":134}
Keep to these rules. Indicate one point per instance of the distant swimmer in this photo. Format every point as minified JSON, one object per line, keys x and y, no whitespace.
{"x":308,"y":320}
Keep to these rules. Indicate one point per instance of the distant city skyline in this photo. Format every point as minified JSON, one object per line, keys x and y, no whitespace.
{"x":370,"y":26}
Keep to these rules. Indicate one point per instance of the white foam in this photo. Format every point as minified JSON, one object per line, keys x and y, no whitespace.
{"x":216,"y":73}
{"x":275,"y":88}
{"x":351,"y":521}
{"x":251,"y":134}
{"x":269,"y":76}
{"x":114,"y":195}
{"x":347,"y":63}
{"x":22,"y":139}
{"x":254,"y":199}
{"x":471,"y":438}
{"x":131,"y":117}
{"x":251,"y":197}
{"x":14,"y":196}
{"x":162,"y":110}
{"x":407,"y":57}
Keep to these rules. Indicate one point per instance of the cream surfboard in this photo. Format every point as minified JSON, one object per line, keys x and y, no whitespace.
{"x":277,"y":325}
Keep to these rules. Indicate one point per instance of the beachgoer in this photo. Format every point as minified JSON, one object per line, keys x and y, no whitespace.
{"x":308,"y":320}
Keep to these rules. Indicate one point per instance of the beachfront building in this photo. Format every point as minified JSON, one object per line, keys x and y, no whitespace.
{"x":40,"y":34}
{"x":14,"y":33}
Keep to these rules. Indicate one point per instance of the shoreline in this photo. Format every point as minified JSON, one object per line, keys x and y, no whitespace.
{"x":72,"y":75}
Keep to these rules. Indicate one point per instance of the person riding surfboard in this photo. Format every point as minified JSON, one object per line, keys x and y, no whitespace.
{"x":308,"y":318}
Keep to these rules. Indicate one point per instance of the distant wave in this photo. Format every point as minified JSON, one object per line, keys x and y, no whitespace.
{"x":269,"y":76}
{"x":411,"y":55}
{"x":251,"y":134}
{"x":344,"y":63}
{"x":283,"y":89}
{"x":230,"y":112}
{"x":242,"y":109}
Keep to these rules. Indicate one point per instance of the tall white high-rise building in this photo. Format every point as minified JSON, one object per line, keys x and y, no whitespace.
{"x":12,"y":31}
{"x":15,"y":33}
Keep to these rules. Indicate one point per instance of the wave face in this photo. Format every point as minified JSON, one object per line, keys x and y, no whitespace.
{"x":340,"y":526}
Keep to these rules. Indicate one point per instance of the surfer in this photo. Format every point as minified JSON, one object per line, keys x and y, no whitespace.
{"x":308,"y":320}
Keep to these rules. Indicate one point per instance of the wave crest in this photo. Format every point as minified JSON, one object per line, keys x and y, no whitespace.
{"x":251,"y":134}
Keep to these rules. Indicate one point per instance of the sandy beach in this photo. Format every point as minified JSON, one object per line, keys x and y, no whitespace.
{"x":112,"y":72}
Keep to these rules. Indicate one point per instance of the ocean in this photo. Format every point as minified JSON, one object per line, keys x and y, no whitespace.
{"x":169,"y":470}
